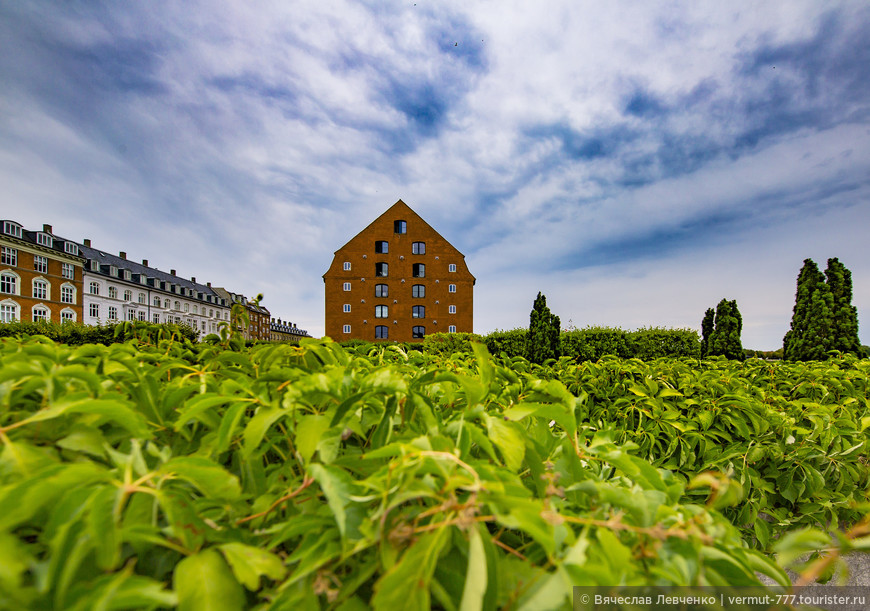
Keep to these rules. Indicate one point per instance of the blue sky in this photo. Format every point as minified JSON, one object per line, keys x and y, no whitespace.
{"x":636,"y":162}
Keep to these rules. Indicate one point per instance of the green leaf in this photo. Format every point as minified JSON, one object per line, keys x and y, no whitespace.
{"x":108,"y":409}
{"x":210,"y":478}
{"x":257,"y":427}
{"x":250,"y":563}
{"x":103,"y":528}
{"x":308,"y":432}
{"x":508,"y":440}
{"x":406,"y":585}
{"x":336,"y":487}
{"x":475,"y":575}
{"x":204,"y":582}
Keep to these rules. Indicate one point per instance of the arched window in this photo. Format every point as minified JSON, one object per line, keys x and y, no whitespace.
{"x":381,"y":269}
{"x":382,"y":332}
{"x":419,"y":270}
{"x":157,"y":302}
{"x":418,"y":248}
{"x":418,"y":290}
{"x":113,"y":292}
{"x":94,"y":288}
{"x":67,"y":315}
{"x":382,"y":247}
{"x":177,"y":305}
{"x":41,"y":289}
{"x":418,"y":311}
{"x":400,"y":227}
{"x":418,"y":332}
{"x":382,"y":290}
{"x":41,"y":312}
{"x":8,"y":311}
{"x":166,"y":303}
{"x":142,"y":298}
{"x":382,"y":311}
{"x":9,"y":282}
{"x":67,"y":293}
{"x":128,"y":295}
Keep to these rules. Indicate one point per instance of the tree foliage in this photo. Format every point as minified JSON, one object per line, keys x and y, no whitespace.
{"x":543,"y":341}
{"x":823,"y":318}
{"x":721,"y":331}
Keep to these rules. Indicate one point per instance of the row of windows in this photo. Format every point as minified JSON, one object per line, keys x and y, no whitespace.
{"x":9,"y":256}
{"x":417,"y":311}
{"x":9,"y":312}
{"x":418,"y":270}
{"x":418,"y":290}
{"x":383,"y":332}
{"x":41,"y":288}
{"x":94,"y":289}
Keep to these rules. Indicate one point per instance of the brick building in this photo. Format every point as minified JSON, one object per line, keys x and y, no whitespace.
{"x":40,"y":275}
{"x":399,"y":280}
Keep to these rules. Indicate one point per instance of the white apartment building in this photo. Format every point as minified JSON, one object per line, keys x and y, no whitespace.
{"x":116,"y":289}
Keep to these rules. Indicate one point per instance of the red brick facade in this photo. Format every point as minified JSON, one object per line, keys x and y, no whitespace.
{"x":419,"y":286}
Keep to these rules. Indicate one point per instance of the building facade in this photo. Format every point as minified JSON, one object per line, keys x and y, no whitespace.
{"x":117,"y":289}
{"x":398,"y":280}
{"x":40,"y":275}
{"x":286,"y":332}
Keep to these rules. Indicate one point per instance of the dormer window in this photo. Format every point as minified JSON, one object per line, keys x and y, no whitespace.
{"x":13,"y":229}
{"x":113,"y":271}
{"x":95,"y":265}
{"x":127,"y":274}
{"x":43,"y":239}
{"x":71,"y":248}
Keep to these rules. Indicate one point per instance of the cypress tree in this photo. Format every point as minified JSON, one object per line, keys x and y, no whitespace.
{"x":707,"y":326}
{"x":542,"y":342}
{"x":844,"y":328}
{"x":813,"y":319}
{"x":728,"y":323}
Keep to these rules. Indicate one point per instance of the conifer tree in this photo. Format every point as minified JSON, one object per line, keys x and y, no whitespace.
{"x":725,"y":340}
{"x":844,"y":328}
{"x":707,"y":326}
{"x":543,"y":340}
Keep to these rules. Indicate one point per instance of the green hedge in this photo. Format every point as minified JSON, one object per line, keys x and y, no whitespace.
{"x":77,"y":334}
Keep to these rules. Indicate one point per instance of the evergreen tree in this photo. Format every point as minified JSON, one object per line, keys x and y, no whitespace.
{"x":707,"y":326}
{"x":813,"y":319}
{"x":844,"y":329}
{"x":542,"y":342}
{"x":725,"y":339}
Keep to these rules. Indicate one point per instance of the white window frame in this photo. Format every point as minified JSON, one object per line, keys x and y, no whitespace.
{"x":94,"y":310}
{"x":113,"y":292}
{"x":68,"y":271}
{"x":451,"y":288}
{"x":67,"y":293}
{"x":113,"y":313}
{"x":9,"y":256}
{"x":7,"y":276}
{"x":44,"y":288}
{"x":43,"y":309}
{"x":382,"y":311}
{"x":451,"y":309}
{"x":94,"y":288}
{"x":347,"y":266}
{"x":451,"y":329}
{"x":346,"y":286}
{"x":13,"y":229}
{"x":451,"y":267}
{"x":128,"y":295}
{"x":40,"y":264}
{"x":67,"y":314}
{"x":71,"y":248}
{"x":43,"y":239}
{"x":345,"y":329}
{"x":346,"y":308}
{"x":9,"y":311}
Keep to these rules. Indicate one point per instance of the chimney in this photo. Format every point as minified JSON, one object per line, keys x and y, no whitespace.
{"x":193,"y":279}
{"x":208,"y":284}
{"x":172,"y":271}
{"x":123,"y":255}
{"x":87,"y":242}
{"x":145,"y":262}
{"x":46,"y":228}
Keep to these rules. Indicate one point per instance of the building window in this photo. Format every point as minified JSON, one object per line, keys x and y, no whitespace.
{"x":67,"y":271}
{"x":382,"y":332}
{"x":157,"y":302}
{"x":40,"y":312}
{"x":346,"y":307}
{"x":9,"y":283}
{"x":9,"y":256}
{"x":131,"y":314}
{"x":418,"y":312}
{"x":40,"y":264}
{"x":418,"y":332}
{"x":142,"y":315}
{"x":142,"y":298}
{"x":418,"y":290}
{"x":94,"y":288}
{"x":451,"y":329}
{"x":382,"y":290}
{"x":187,"y":307}
{"x":418,"y":248}
{"x":451,"y":267}
{"x":94,"y":310}
{"x":451,"y":288}
{"x":40,"y":289}
{"x":177,"y":306}
{"x":346,"y":286}
{"x":382,"y":311}
{"x":8,"y":312}
{"x":451,"y":309}
{"x":12,"y":229}
{"x":67,"y":294}
{"x":400,"y":227}
{"x":347,"y":266}
{"x":113,"y":292}
{"x":128,"y":295}
{"x":211,"y":312}
{"x":127,"y":274}
{"x":195,"y":309}
{"x":113,"y":313}
{"x":382,"y":247}
{"x":44,"y":239}
{"x":381,"y":269}
{"x":71,"y":248}
{"x":166,"y":303}
{"x":67,"y":315}
{"x":419,"y":270}
{"x":345,"y":329}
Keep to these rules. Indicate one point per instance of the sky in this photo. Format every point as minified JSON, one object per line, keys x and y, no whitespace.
{"x":636,"y":162}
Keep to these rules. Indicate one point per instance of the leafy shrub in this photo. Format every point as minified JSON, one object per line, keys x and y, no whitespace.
{"x":449,"y":343}
{"x":510,"y":343}
{"x":77,"y":334}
